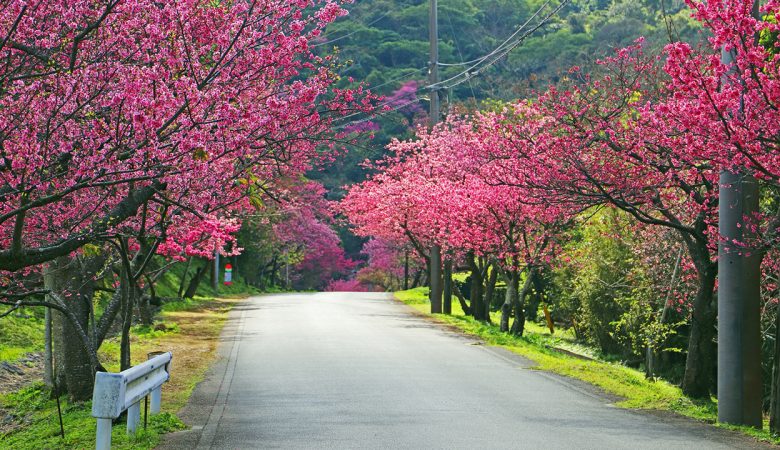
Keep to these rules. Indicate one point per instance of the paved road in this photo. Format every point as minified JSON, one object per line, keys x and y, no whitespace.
{"x":343,"y":371}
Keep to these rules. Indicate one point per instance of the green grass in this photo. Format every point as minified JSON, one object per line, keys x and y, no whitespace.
{"x":168,"y":284}
{"x":20,"y":334}
{"x":191,"y":329}
{"x":34,"y":403}
{"x":538,"y":345}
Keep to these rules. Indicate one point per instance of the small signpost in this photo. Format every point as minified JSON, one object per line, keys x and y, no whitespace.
{"x":228,"y":274}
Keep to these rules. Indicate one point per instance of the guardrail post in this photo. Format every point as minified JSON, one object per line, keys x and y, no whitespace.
{"x":133,"y":417}
{"x":156,"y":401}
{"x":103,"y":441}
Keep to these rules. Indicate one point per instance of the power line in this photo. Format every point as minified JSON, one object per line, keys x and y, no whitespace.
{"x":500,"y":46}
{"x":354,"y":32}
{"x":500,"y":51}
{"x":385,"y":103}
{"x":460,"y":55}
{"x":476,"y":69}
{"x":380,"y":114}
{"x":398,"y":78}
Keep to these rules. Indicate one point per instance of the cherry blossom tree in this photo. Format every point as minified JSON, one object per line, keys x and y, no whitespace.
{"x":138,"y":123}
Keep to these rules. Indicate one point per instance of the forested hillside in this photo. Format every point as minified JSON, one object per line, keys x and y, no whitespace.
{"x":385,"y":43}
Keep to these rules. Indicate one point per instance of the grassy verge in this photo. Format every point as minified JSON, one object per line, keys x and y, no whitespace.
{"x":20,"y":335}
{"x":540,"y":346}
{"x":190,"y":329}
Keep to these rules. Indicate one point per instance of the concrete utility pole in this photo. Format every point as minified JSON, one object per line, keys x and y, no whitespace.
{"x":215,"y":272}
{"x":739,"y":293}
{"x":433,"y":77}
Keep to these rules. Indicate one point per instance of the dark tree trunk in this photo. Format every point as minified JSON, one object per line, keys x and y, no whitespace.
{"x":532,"y":308}
{"x":184,"y":277}
{"x":145,"y":307}
{"x":108,"y":317}
{"x":518,"y":326}
{"x":477,"y":308}
{"x":128,"y":295}
{"x":48,"y":370}
{"x":447,"y":297}
{"x":459,"y":295}
{"x":490,"y":288}
{"x":75,"y":369}
{"x":511,"y":278}
{"x":774,"y":404}
{"x":274,"y":270}
{"x":700,"y":362}
{"x":192,"y":288}
{"x":416,"y":280}
{"x":406,"y":270}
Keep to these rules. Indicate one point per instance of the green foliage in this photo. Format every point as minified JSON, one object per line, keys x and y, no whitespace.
{"x":597,"y":290}
{"x":604,"y":292}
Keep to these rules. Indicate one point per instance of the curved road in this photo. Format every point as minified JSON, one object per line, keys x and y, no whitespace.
{"x":356,"y":370}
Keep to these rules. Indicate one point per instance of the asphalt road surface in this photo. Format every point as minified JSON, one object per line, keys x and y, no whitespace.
{"x":361,"y":371}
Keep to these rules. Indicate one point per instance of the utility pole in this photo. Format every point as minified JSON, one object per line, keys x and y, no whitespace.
{"x":739,"y":293}
{"x":406,"y":270}
{"x":215,"y":272}
{"x":433,"y":78}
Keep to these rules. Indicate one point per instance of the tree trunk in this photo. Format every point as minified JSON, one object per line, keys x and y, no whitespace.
{"x":128,"y":295}
{"x":510,"y":298}
{"x":477,"y":308}
{"x":274,"y":270}
{"x":651,"y":357}
{"x":71,"y":281}
{"x":490,"y":288}
{"x":518,"y":326}
{"x":108,"y":317}
{"x":192,"y":288}
{"x":435,"y":280}
{"x":532,"y":308}
{"x":700,"y":362}
{"x":459,"y":295}
{"x":774,"y":405}
{"x":48,"y":370}
{"x":406,"y":270}
{"x":447,"y":298}
{"x":184,"y":277}
{"x":145,"y":309}
{"x":416,"y":280}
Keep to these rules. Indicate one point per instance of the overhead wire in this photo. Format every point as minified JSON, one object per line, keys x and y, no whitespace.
{"x":387,"y":102}
{"x":476,"y":68}
{"x":513,"y":46}
{"x":398,"y":78}
{"x":460,"y":53}
{"x":379,"y":114}
{"x":353,"y":32}
{"x":504,"y":48}
{"x":505,"y":42}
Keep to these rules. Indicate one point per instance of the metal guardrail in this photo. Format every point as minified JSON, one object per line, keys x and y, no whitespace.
{"x":117,"y":392}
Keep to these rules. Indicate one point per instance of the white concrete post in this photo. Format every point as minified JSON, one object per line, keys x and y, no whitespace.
{"x":156,"y":401}
{"x":103,"y":441}
{"x":133,"y":417}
